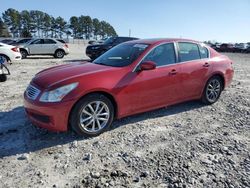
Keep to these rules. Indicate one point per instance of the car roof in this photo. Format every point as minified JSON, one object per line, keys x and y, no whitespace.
{"x":161,"y":40}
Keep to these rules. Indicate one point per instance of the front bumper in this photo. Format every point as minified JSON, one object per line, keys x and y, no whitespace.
{"x":93,"y":54}
{"x":229,"y":77}
{"x":51,"y":116}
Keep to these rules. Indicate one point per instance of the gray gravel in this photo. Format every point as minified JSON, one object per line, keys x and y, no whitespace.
{"x":186,"y":145}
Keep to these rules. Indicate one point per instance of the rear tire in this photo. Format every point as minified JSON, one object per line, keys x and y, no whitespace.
{"x":24,"y":53}
{"x":212,"y":90}
{"x":92,"y":115}
{"x":59,"y":54}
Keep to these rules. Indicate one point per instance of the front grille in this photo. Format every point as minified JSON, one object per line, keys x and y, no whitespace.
{"x":32,"y":92}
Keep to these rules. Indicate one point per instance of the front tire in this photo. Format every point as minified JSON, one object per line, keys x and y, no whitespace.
{"x":92,"y":115}
{"x":212,"y":90}
{"x":24,"y":53}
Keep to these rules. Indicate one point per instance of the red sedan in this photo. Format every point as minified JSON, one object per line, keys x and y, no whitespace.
{"x":131,"y":78}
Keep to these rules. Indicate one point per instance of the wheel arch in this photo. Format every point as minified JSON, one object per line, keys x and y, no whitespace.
{"x":61,"y":49}
{"x":24,"y":49}
{"x":219,"y":74}
{"x":105,"y":93}
{"x":7,"y":57}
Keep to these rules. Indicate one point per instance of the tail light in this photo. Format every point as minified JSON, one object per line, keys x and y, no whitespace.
{"x":16,"y":49}
{"x":66,"y":45}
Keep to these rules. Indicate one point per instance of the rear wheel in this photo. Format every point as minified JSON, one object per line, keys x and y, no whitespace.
{"x":92,"y":115}
{"x":24,"y":53}
{"x":59,"y":54}
{"x":212,"y":90}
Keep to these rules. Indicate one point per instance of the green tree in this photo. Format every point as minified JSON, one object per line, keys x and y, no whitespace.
{"x":74,"y":25}
{"x":3,"y":29}
{"x":38,"y":23}
{"x":46,"y":24}
{"x":96,"y":28}
{"x":38,"y":18}
{"x":53,"y":28}
{"x":88,"y":27}
{"x":12,"y":19}
{"x":61,"y":26}
{"x":28,"y":25}
{"x":85,"y":26}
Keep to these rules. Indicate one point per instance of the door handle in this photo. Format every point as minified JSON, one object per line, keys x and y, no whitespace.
{"x":173,"y":72}
{"x":206,"y":64}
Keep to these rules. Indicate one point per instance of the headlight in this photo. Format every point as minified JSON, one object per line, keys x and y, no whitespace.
{"x":57,"y":95}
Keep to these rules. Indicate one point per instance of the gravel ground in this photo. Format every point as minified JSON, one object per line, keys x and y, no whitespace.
{"x":186,"y":145}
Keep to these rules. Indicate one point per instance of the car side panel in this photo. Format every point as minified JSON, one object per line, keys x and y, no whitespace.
{"x":194,"y":76}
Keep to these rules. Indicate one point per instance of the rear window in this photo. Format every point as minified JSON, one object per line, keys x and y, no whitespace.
{"x":188,"y":51}
{"x":60,"y":40}
{"x":49,"y":41}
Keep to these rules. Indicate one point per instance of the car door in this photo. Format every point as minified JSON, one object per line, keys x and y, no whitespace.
{"x":49,"y":46}
{"x":154,"y":88}
{"x":195,"y":68}
{"x":35,"y":47}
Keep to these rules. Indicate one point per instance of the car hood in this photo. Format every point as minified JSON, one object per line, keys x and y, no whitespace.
{"x":55,"y":75}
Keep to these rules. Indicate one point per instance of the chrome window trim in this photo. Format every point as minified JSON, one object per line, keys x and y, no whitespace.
{"x":176,"y":48}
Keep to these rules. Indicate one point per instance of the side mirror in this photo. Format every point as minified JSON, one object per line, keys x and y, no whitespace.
{"x":147,"y":65}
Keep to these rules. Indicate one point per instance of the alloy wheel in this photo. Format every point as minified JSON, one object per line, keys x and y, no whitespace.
{"x":213,"y":90}
{"x":94,"y":116}
{"x":60,"y":54}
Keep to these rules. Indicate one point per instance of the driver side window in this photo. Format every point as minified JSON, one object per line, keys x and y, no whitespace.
{"x":162,"y":55}
{"x":39,"y":41}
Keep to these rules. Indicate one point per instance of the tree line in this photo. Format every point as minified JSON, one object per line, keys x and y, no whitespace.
{"x":37,"y":23}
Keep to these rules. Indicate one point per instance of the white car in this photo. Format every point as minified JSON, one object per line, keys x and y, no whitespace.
{"x":9,"y":52}
{"x":44,"y":47}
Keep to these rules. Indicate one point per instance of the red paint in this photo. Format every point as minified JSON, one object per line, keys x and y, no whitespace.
{"x":133,"y":92}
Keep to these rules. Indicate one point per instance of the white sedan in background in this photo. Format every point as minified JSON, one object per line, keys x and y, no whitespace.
{"x":9,"y":52}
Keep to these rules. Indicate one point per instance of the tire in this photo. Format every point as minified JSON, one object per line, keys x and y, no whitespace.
{"x":3,"y":77}
{"x":212,"y":90}
{"x":59,"y":54}
{"x":24,"y":53}
{"x":84,"y":120}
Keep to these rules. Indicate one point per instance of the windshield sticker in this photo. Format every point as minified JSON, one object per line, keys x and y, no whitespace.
{"x":140,"y":46}
{"x":115,"y":58}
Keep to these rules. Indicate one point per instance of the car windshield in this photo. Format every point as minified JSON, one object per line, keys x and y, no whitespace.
{"x":109,"y":40}
{"x":121,"y":55}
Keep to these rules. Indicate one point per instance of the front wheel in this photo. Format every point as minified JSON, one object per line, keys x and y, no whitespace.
{"x":24,"y":54}
{"x":212,"y":90}
{"x":92,"y":115}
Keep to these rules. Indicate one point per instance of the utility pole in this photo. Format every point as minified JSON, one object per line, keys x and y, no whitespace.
{"x":129,"y":33}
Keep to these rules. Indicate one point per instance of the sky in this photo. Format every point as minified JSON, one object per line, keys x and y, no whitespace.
{"x":219,"y":20}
